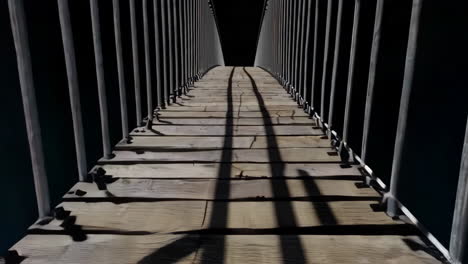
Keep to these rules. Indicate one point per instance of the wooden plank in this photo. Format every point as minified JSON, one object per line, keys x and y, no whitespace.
{"x":303,"y":155}
{"x":235,"y":114}
{"x":189,"y":216}
{"x":194,"y":249}
{"x":136,"y":217}
{"x":205,"y":189}
{"x":211,"y":170}
{"x":235,"y":122}
{"x":176,"y":108}
{"x":303,"y":130}
{"x":198,"y":143}
{"x":234,"y":104}
{"x":305,"y":214}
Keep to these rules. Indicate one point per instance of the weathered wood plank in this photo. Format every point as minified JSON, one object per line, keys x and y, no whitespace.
{"x":205,"y":189}
{"x":302,"y":155}
{"x":235,"y":104}
{"x":136,"y":217}
{"x":235,"y":114}
{"x":194,"y":249}
{"x":287,"y":130}
{"x":189,"y":216}
{"x":211,"y":170}
{"x":197,"y":143}
{"x":175,"y":108}
{"x":235,"y":121}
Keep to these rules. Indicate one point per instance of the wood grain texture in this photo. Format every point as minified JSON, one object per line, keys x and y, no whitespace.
{"x":287,"y":130}
{"x":237,"y":170}
{"x":189,"y":216}
{"x":235,"y":122}
{"x":205,"y":189}
{"x":302,"y":155}
{"x":194,"y":143}
{"x":188,"y":249}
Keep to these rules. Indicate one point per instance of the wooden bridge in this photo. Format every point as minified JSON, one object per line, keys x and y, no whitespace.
{"x":233,"y":173}
{"x":344,"y":144}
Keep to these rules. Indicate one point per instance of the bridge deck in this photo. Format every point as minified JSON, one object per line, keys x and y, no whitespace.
{"x":234,"y":172}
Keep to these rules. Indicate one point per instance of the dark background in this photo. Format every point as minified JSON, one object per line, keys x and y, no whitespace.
{"x":239,"y":25}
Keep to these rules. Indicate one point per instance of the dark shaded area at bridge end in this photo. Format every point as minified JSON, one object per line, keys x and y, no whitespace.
{"x":239,"y":26}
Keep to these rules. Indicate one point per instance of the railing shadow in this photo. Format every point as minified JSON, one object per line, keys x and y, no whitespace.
{"x":180,"y":248}
{"x":291,"y":247}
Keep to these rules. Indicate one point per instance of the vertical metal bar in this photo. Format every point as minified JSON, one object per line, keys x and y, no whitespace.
{"x":120,"y":68}
{"x":165,"y":52}
{"x":197,"y":6}
{"x":325,"y":59}
{"x":176,"y":51}
{"x":459,"y":236}
{"x":293,"y":48}
{"x":289,"y":39}
{"x":136,"y":63}
{"x":73,"y":87}
{"x":182,"y":46}
{"x":171,"y":50}
{"x":281,"y":39}
{"x":160,"y":100}
{"x":285,"y":40}
{"x":99,"y":61}
{"x":191,"y":31}
{"x":186,"y":46}
{"x":335,"y":64}
{"x":371,"y":81}
{"x":392,"y":204}
{"x":149,"y":92}
{"x":314,"y":64}
{"x":28,"y":96}
{"x":306,"y":53}
{"x":357,"y":9}
{"x":301,"y":55}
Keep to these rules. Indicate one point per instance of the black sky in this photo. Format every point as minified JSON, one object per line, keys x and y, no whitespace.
{"x":239,"y":23}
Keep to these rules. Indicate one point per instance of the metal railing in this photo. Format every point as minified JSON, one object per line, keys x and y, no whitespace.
{"x":185,"y":28}
{"x":343,"y":60}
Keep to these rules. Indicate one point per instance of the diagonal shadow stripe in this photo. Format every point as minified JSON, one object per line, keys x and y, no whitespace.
{"x":291,"y":248}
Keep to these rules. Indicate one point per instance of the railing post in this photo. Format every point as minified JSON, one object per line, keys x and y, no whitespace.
{"x":292,"y":80}
{"x":301,"y":55}
{"x":288,"y":51}
{"x":99,"y":61}
{"x":170,"y":48}
{"x":371,"y":81}
{"x":352,"y":58}
{"x":149,"y":92}
{"x":325,"y":60}
{"x":390,"y":197}
{"x":314,"y":63}
{"x":176,"y":51}
{"x":73,"y":87}
{"x":165,"y":75}
{"x":459,"y":237}
{"x":186,"y":46}
{"x":136,"y":63}
{"x":305,"y":103}
{"x":120,"y":69}
{"x":28,"y":96}
{"x":335,"y":64}
{"x":160,"y":100}
{"x":182,"y":48}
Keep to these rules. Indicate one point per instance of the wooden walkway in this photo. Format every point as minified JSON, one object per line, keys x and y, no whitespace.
{"x":233,"y":173}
